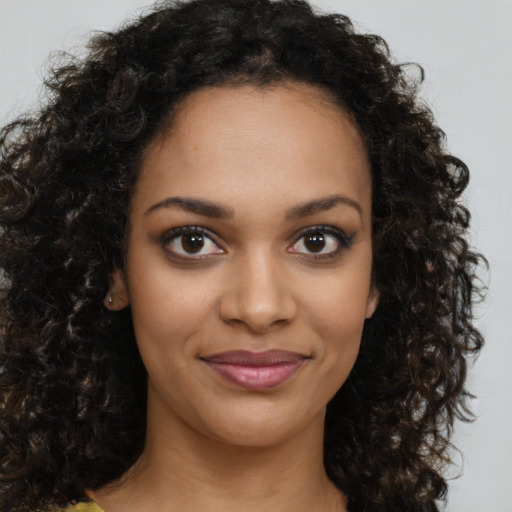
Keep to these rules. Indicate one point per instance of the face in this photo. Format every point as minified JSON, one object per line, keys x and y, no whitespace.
{"x":249,"y":261}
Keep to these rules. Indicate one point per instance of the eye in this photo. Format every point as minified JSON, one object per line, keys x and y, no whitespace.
{"x":321,"y":241}
{"x":190,"y":241}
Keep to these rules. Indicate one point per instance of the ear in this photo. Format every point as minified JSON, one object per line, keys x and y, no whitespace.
{"x":373,"y":301}
{"x":117,"y":295}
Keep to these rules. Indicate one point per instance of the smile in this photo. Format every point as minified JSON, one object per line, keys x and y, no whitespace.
{"x":256,"y":370}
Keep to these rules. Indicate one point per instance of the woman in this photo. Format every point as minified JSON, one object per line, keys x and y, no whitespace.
{"x":236,"y":273}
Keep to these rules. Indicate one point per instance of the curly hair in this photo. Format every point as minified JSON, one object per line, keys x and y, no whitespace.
{"x":72,"y":384}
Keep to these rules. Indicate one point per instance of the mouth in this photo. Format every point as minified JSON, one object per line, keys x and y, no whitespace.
{"x":256,"y":370}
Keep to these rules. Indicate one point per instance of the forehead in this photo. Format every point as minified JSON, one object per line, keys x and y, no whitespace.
{"x":289,"y":141}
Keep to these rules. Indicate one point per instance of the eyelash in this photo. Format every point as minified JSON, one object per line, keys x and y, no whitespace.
{"x":344,"y":241}
{"x":176,"y":233}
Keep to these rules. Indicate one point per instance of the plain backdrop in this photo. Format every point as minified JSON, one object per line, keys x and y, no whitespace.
{"x":465,"y":47}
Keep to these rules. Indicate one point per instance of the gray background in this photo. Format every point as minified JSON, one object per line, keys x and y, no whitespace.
{"x":465,"y":47}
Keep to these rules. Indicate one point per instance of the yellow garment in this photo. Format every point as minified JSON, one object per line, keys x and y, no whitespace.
{"x":89,"y":506}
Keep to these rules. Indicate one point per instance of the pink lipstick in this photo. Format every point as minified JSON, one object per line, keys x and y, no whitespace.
{"x":256,"y":370}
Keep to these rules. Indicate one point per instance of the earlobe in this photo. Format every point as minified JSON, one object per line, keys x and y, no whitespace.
{"x":117,"y":295}
{"x":373,"y":301}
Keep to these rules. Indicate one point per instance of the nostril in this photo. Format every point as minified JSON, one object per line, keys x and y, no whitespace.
{"x":255,"y":323}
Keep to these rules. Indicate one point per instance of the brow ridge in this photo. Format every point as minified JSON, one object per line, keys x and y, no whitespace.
{"x":321,"y":205}
{"x":210,"y":209}
{"x":194,"y":205}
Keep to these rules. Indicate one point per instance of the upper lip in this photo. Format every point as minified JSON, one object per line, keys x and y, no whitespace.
{"x":246,"y":358}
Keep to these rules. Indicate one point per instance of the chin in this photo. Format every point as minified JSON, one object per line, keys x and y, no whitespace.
{"x":264,"y":428}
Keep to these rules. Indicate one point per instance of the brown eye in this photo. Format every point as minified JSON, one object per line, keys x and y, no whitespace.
{"x":192,"y":242}
{"x":314,"y":242}
{"x":321,"y":242}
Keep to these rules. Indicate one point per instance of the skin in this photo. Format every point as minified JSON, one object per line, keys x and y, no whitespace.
{"x":261,"y":154}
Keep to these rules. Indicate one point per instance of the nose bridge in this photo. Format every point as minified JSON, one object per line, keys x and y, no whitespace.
{"x":258,"y":293}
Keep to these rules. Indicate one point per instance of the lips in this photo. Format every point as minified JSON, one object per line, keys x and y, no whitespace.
{"x":256,"y":370}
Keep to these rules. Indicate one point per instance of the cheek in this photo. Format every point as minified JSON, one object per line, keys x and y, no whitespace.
{"x":167,"y":309}
{"x":337,"y":314}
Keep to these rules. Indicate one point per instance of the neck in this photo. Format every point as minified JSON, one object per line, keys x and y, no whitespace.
{"x":182,"y":469}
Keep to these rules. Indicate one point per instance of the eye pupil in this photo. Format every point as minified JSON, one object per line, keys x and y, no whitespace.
{"x":314,"y":242}
{"x":192,"y":242}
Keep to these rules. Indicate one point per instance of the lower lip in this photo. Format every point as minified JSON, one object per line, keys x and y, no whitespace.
{"x":256,"y":377}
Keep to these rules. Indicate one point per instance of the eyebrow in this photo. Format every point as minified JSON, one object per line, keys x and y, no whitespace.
{"x":321,"y":205}
{"x":199,"y":206}
{"x":210,"y":209}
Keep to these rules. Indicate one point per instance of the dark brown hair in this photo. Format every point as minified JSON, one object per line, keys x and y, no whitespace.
{"x":72,"y":385}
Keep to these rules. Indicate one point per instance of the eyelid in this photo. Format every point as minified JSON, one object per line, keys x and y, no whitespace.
{"x":175,"y":233}
{"x":344,"y":240}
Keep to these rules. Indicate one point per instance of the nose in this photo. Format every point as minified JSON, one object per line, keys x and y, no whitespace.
{"x":258,"y":295}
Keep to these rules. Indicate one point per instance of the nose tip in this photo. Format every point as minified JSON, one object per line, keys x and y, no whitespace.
{"x":259,"y":298}
{"x":257,"y":326}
